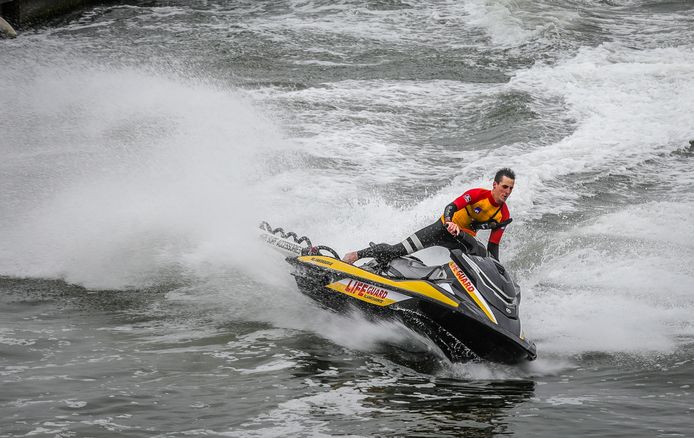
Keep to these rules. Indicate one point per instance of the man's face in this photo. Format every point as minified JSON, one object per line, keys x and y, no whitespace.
{"x":502,"y":190}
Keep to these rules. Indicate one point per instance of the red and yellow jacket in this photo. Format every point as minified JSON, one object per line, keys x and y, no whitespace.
{"x":478,"y":205}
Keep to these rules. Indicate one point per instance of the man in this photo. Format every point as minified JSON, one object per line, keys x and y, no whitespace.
{"x":474,"y":210}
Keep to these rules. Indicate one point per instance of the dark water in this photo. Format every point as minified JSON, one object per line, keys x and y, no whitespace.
{"x":143,"y":142}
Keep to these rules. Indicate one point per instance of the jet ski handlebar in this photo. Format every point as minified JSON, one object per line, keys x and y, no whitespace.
{"x":490,"y":225}
{"x":471,"y":245}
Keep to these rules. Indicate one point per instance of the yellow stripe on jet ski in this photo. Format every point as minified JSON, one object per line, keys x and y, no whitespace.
{"x":472,"y":291}
{"x":414,"y":286}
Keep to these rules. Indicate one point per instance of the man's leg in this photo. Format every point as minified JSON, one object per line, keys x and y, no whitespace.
{"x":431,"y":235}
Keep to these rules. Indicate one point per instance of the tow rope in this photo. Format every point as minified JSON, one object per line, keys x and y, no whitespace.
{"x":308,"y":250}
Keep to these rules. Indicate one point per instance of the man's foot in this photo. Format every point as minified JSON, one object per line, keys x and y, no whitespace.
{"x":350,"y":257}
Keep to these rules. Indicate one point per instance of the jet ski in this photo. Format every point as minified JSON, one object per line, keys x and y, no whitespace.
{"x":469,"y":307}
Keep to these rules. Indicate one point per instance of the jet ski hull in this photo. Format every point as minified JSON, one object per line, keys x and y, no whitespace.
{"x":454,"y":321}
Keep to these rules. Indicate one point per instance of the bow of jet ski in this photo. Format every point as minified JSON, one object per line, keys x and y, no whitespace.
{"x":468,"y":307}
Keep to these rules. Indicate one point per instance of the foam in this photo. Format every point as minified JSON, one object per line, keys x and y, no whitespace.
{"x":619,"y":285}
{"x":128,"y":178}
{"x":151,"y":176}
{"x":504,"y":27}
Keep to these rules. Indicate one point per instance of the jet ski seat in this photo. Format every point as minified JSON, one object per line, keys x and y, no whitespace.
{"x":413,"y":269}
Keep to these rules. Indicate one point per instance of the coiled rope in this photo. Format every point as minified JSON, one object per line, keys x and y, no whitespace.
{"x":299,"y":240}
{"x":310,"y":250}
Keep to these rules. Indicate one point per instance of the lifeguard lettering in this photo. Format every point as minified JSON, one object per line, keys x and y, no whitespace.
{"x":366,"y":292}
{"x":462,"y":278}
{"x":359,"y":288}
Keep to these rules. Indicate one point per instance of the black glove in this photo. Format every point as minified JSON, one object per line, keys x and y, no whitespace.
{"x":490,"y":225}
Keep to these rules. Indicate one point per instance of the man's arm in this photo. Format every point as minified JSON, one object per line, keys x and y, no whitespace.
{"x":449,"y":211}
{"x":495,"y":235}
{"x":493,"y":249}
{"x":469,"y":197}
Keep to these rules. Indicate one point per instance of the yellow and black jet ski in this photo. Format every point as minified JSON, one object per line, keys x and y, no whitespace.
{"x":467,"y":307}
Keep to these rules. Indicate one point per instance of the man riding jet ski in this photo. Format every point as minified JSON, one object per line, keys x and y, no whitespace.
{"x":468,"y":307}
{"x":474,"y":210}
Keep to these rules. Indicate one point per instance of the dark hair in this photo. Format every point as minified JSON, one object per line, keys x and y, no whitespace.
{"x":502,"y":173}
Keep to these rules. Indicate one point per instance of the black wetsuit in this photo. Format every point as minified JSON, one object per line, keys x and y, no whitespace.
{"x":435,"y":234}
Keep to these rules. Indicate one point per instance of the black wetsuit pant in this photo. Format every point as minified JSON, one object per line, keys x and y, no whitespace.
{"x":435,"y":234}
